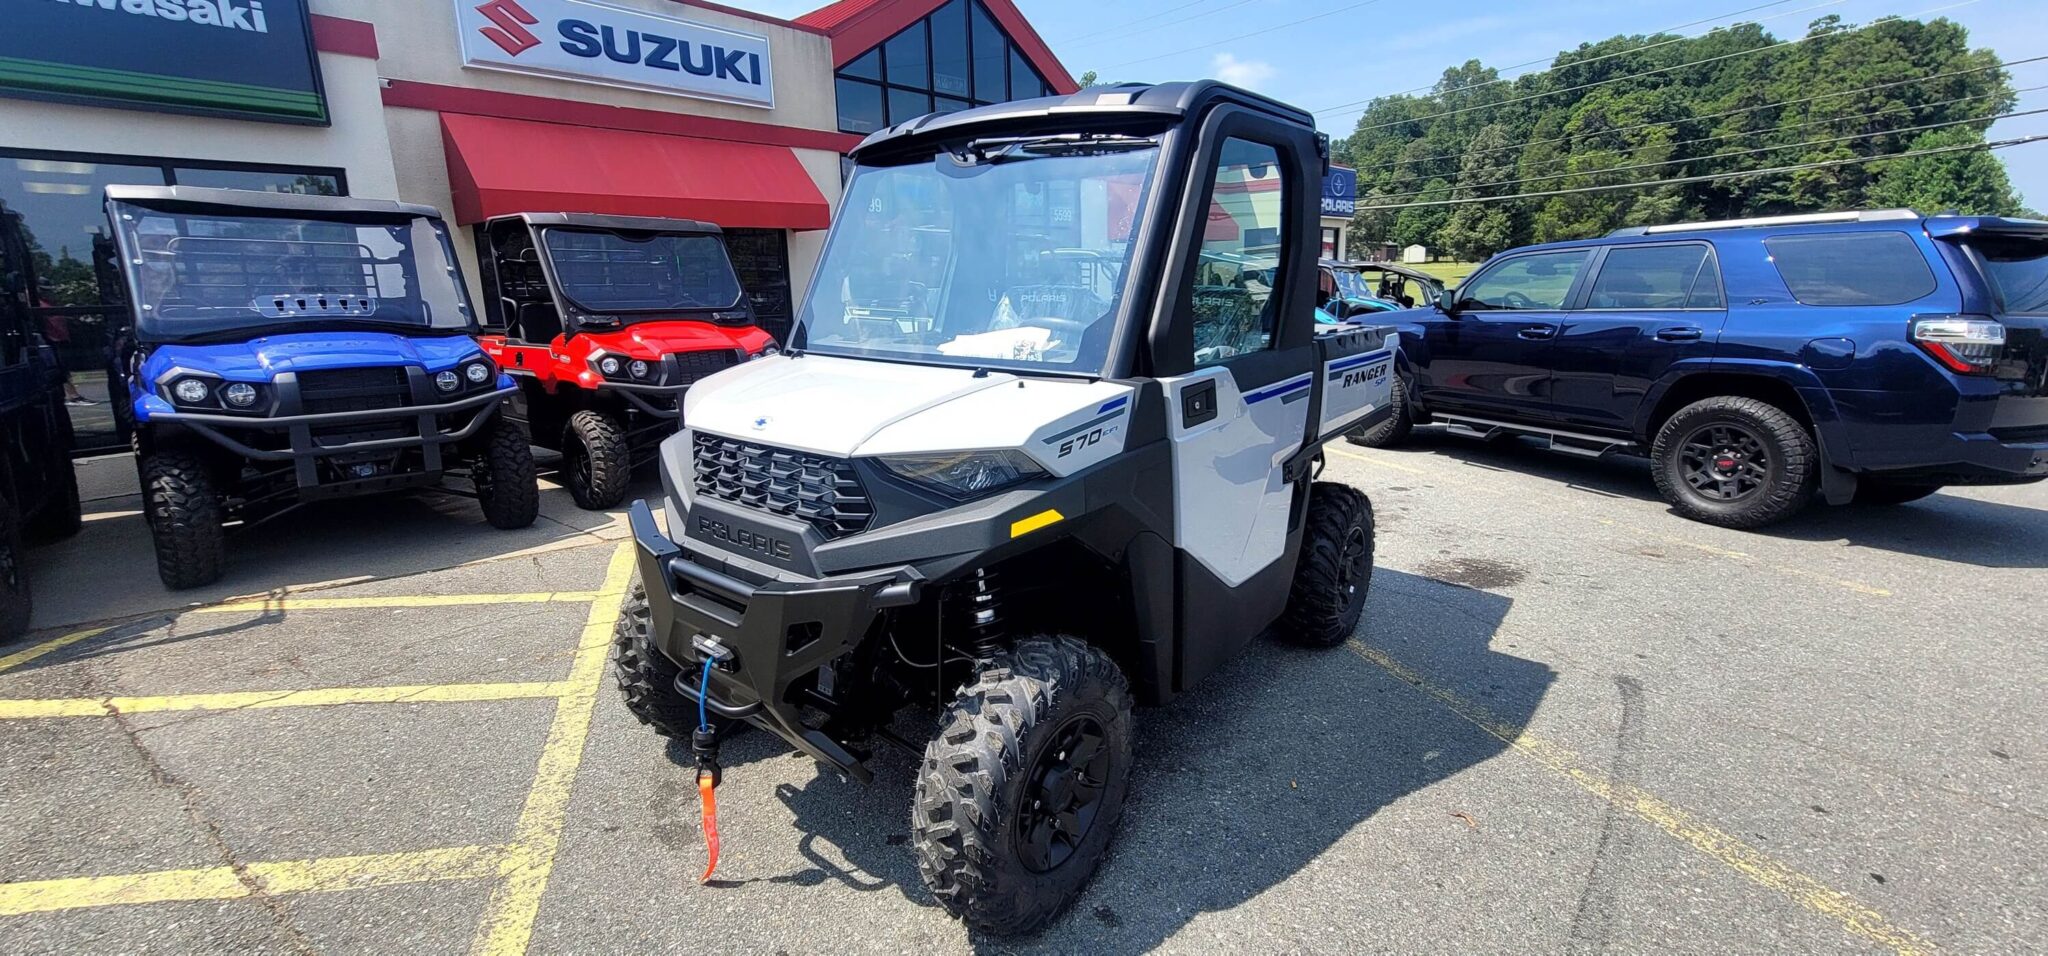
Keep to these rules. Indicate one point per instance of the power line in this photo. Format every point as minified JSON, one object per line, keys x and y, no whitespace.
{"x":1738,"y":133}
{"x":1245,"y":36}
{"x":1667,"y":69}
{"x":1098,"y":39}
{"x":1150,"y":16}
{"x":1744,"y":152}
{"x":1725,"y":113}
{"x":1607,"y":56}
{"x":1716,"y":177}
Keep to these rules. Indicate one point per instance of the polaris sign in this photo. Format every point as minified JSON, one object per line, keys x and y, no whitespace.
{"x":599,"y":43}
{"x":1340,"y":192}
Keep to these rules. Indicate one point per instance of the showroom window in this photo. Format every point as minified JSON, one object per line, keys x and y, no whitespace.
{"x":78,"y":307}
{"x":953,"y":58}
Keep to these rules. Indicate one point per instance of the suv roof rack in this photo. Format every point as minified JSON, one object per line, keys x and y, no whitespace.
{"x":1867,"y":215}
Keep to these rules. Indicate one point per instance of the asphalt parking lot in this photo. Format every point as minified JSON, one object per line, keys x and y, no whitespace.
{"x":1570,"y":722}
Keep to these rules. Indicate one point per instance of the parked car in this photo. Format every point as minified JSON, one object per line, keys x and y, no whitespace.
{"x":1873,"y":357}
{"x":606,"y":321}
{"x":38,"y":489}
{"x":292,"y":348}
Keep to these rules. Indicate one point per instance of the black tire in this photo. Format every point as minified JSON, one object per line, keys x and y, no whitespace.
{"x":1334,"y":574}
{"x":1398,"y":425}
{"x":1747,"y":494}
{"x":647,"y":678}
{"x":184,"y":512}
{"x":501,"y":467}
{"x":1874,"y":492}
{"x":996,"y":760}
{"x":16,"y":603}
{"x":595,"y":460}
{"x":63,"y":514}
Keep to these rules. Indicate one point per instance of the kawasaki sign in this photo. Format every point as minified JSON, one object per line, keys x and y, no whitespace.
{"x":598,"y":43}
{"x":250,"y":59}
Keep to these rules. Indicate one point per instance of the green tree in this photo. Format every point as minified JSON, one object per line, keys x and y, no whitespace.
{"x":1972,"y":181}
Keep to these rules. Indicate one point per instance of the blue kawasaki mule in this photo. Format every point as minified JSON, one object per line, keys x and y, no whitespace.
{"x":293,"y":348}
{"x":38,"y":490}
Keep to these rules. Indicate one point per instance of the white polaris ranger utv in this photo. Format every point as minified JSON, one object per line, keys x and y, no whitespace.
{"x":1041,"y":449}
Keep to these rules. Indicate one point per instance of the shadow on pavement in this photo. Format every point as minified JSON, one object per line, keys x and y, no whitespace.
{"x":108,"y":571}
{"x":1945,"y":527}
{"x":1238,"y":784}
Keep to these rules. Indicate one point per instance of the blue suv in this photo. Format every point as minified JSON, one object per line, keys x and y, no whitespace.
{"x":1872,"y":357}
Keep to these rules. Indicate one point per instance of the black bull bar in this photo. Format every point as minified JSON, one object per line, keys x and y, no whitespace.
{"x":778,"y":634}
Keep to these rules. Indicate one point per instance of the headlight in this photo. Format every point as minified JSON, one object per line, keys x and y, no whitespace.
{"x":477,"y":373}
{"x":765,"y":352}
{"x":448,"y":381}
{"x":608,"y":365}
{"x":190,"y":391}
{"x":239,"y":394}
{"x":965,"y":474}
{"x":639,"y":368}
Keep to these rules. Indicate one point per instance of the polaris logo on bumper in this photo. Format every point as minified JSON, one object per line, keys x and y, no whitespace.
{"x":597,"y":43}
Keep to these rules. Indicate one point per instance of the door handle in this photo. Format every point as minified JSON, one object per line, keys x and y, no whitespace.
{"x":1537,"y":333}
{"x":1680,"y":334}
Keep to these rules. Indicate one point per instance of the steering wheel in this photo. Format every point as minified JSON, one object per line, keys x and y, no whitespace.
{"x":1516,"y":300}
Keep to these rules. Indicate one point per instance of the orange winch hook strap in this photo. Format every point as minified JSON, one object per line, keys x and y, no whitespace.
{"x":709,"y":798}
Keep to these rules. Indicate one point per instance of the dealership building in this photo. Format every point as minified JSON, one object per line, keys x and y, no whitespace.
{"x":479,"y":108}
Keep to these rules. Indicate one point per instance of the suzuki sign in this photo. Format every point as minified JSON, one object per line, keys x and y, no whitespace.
{"x":599,"y":43}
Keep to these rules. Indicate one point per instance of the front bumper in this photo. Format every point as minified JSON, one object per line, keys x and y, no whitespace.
{"x":304,"y":448}
{"x":780,"y":633}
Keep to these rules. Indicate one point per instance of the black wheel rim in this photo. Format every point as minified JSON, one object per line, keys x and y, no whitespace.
{"x":1724,"y":462}
{"x":1063,"y":795}
{"x":579,"y":466}
{"x":1354,"y":569}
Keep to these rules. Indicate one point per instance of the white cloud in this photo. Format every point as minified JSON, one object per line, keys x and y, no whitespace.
{"x":1246,"y":73}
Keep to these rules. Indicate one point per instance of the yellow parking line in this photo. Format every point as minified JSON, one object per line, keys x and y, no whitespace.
{"x":223,"y":883}
{"x":1712,"y":841}
{"x":296,"y":603}
{"x":31,"y":709}
{"x":19,"y":658}
{"x":1743,"y":557}
{"x":507,"y":923}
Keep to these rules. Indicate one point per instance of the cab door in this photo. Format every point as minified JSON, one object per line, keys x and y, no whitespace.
{"x":1490,"y":355}
{"x":1233,"y":347}
{"x":1647,"y":308}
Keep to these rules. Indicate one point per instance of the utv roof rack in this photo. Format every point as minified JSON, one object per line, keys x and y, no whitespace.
{"x":1866,"y":215}
{"x":277,"y":202}
{"x":1130,"y":102}
{"x":596,"y":221}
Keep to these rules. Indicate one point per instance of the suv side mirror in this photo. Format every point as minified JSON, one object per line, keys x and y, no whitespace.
{"x":1447,"y":301}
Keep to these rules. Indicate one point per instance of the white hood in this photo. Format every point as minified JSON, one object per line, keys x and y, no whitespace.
{"x":820,"y":404}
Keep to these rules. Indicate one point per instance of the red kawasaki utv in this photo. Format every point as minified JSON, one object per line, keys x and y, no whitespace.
{"x":605,"y":320}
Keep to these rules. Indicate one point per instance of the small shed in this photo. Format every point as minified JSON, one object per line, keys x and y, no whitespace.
{"x":1415,"y":254}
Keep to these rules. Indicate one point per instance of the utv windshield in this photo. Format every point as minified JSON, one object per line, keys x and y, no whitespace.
{"x":612,"y":271}
{"x":206,"y":272}
{"x":2019,"y":268}
{"x":1010,"y":256}
{"x":1352,"y":284}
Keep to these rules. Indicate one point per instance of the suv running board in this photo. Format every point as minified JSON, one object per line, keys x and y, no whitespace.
{"x":1563,"y":442}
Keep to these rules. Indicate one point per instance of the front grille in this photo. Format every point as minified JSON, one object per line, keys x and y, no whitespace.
{"x":823,"y":491}
{"x":692,"y":366}
{"x":354,"y":389}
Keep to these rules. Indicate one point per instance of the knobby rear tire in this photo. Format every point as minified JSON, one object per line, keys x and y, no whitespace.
{"x":1793,"y":472}
{"x":1334,"y":573}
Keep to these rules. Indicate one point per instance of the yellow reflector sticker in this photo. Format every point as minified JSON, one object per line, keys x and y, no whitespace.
{"x":1019,"y":529}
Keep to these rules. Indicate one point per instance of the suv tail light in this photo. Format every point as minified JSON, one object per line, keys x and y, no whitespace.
{"x":1967,"y":345}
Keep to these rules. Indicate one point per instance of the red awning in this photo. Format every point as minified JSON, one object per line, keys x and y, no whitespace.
{"x":499,"y":166}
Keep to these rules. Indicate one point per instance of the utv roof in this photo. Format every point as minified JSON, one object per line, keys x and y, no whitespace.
{"x":1122,"y":105}
{"x":267,"y":201}
{"x":593,"y":221}
{"x":1394,"y":268}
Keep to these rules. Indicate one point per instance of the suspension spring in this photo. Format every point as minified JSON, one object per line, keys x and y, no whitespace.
{"x":984,"y":614}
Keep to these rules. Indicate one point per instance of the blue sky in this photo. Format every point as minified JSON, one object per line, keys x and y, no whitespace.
{"x":1347,"y":50}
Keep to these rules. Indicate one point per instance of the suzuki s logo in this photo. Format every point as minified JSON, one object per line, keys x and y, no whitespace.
{"x":511,"y":33}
